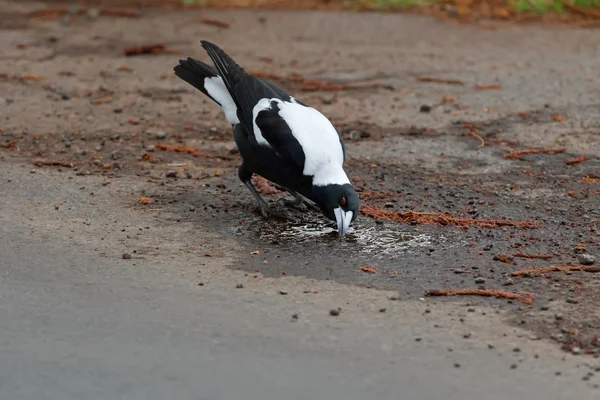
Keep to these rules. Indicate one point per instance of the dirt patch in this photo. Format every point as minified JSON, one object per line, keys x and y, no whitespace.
{"x":456,"y":210}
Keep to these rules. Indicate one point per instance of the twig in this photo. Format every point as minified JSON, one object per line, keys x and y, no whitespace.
{"x":311,"y":85}
{"x":54,"y":163}
{"x":432,"y":79}
{"x":553,"y":268}
{"x":533,"y":256}
{"x":147,"y":49}
{"x":523,"y":297}
{"x":476,"y":136}
{"x":491,"y":86}
{"x":430,"y":218}
{"x":180,"y":149}
{"x":215,"y":22}
{"x":516,"y":155}
{"x":576,"y":160}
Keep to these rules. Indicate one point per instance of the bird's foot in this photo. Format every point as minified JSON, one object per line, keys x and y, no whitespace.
{"x":267,"y":212}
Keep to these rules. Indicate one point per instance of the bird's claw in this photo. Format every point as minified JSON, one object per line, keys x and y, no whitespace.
{"x":267,"y":212}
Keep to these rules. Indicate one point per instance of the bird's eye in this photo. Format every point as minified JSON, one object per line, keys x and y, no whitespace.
{"x":343,"y":201}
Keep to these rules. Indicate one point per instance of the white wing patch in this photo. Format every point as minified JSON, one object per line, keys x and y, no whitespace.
{"x":324,"y":157}
{"x":217,"y":90}
{"x":263,"y":104}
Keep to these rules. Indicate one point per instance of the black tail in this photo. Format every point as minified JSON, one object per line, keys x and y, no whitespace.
{"x":194,"y":72}
{"x":228,"y":69}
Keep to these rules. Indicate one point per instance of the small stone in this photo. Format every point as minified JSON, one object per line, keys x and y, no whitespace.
{"x":150,"y":148}
{"x":508,"y":282}
{"x":295,"y":316}
{"x":571,"y":300}
{"x":586,"y":259}
{"x":93,"y":13}
{"x":201,"y":284}
{"x":239,"y":286}
{"x":576,"y":350}
{"x":382,"y":310}
{"x":334,"y":312}
{"x":491,"y":346}
{"x":171,"y":174}
{"x":97,"y":162}
{"x":33,"y":171}
{"x":192,"y":208}
{"x":118,"y":110}
{"x":480,"y":279}
{"x":558,"y":316}
{"x":425,"y":108}
{"x":282,"y":292}
{"x":456,"y":365}
{"x":116,"y":154}
{"x":467,"y":335}
{"x":161,"y":135}
{"x":517,"y":349}
{"x":65,"y":96}
{"x":353,"y":135}
{"x":418,"y":339}
{"x":98,"y":148}
{"x":126,"y":256}
{"x":513,"y":366}
{"x":328,"y":98}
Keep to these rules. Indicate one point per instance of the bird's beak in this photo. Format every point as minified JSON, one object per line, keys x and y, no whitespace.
{"x":343,"y":219}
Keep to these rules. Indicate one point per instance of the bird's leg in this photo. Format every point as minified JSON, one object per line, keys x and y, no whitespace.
{"x":265,"y":210}
{"x":298,"y":202}
{"x":245,"y":176}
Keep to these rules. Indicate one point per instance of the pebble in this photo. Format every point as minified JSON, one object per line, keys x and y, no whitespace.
{"x":418,"y":339}
{"x":116,"y":154}
{"x":509,"y":282}
{"x":201,"y":284}
{"x":456,"y":365}
{"x":150,"y":148}
{"x":282,"y":292}
{"x":334,"y":312}
{"x":576,"y":350}
{"x":118,"y":110}
{"x":93,"y":13}
{"x":382,"y":310}
{"x":294,"y":316}
{"x":161,"y":135}
{"x":425,"y":108}
{"x":192,"y":208}
{"x":354,"y":135}
{"x":586,"y":259}
{"x":33,"y":171}
{"x":171,"y":174}
{"x":480,"y":279}
{"x":558,"y":316}
{"x":126,"y":256}
{"x":239,"y":286}
{"x":513,"y":366}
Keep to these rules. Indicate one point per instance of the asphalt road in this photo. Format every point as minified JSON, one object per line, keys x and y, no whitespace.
{"x":79,"y":322}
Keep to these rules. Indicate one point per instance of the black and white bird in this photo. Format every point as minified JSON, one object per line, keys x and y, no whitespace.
{"x":279,"y":138}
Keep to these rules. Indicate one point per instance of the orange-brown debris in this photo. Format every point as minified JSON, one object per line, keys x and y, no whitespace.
{"x":144,"y":200}
{"x":215,"y":22}
{"x":533,"y":256}
{"x":431,"y":218}
{"x":34,"y":78}
{"x":488,"y":87}
{"x":516,"y":155}
{"x":146,"y":49}
{"x":590,"y":179}
{"x":576,"y":160}
{"x":555,"y":268}
{"x":11,"y":144}
{"x":54,"y":163}
{"x":311,"y":85}
{"x":432,"y":79}
{"x":370,"y":270}
{"x":181,"y":149}
{"x":523,"y":297}
{"x":505,"y":258}
{"x":371,"y":194}
{"x":264,"y":186}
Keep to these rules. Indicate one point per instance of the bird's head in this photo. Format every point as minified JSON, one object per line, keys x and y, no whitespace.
{"x":339,"y":203}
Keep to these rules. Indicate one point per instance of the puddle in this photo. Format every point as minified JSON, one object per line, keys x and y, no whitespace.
{"x":370,"y":240}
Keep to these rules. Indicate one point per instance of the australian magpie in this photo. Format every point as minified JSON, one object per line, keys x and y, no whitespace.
{"x":279,"y":138}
